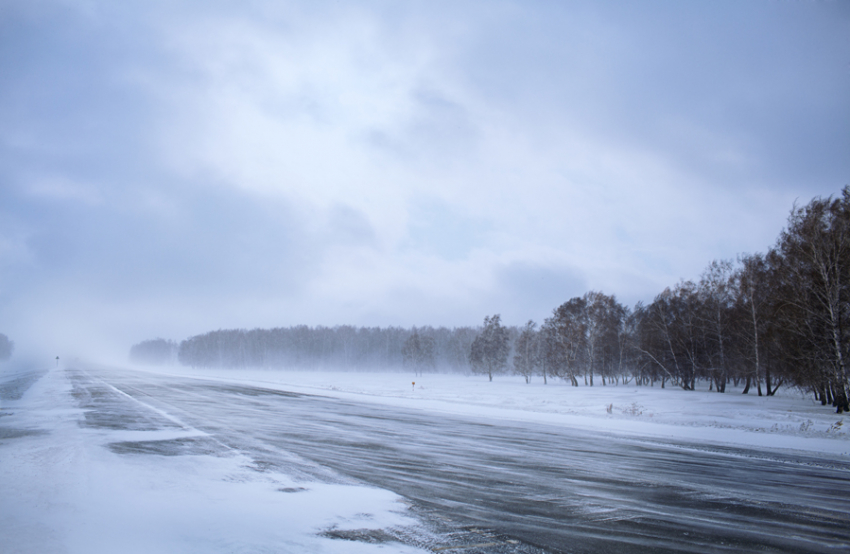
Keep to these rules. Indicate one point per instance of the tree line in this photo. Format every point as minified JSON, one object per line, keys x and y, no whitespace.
{"x":781,"y":318}
{"x":154,"y":352}
{"x":341,"y":347}
{"x":763,"y":321}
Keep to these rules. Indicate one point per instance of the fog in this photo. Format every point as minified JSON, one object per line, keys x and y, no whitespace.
{"x":168,"y":168}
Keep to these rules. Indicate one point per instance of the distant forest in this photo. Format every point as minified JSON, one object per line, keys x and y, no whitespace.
{"x":6,"y":347}
{"x":781,"y":318}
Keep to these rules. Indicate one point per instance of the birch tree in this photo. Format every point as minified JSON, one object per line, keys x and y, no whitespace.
{"x":490,"y":349}
{"x":816,"y":248}
{"x":526,"y":358}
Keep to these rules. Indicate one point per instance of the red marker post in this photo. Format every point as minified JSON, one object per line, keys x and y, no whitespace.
{"x":414,"y":386}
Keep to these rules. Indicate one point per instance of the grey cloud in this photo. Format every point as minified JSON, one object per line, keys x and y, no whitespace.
{"x":438,"y":229}
{"x":350,"y":226}
{"x":532,"y":290}
{"x":214,"y":240}
{"x":117,"y":271}
{"x":735,"y":93}
{"x":439,"y":131}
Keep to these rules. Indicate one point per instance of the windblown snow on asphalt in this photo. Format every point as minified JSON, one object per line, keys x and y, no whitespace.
{"x":70,"y":486}
{"x":67,"y":488}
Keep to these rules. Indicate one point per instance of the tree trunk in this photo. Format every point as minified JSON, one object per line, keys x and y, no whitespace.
{"x":766,"y":381}
{"x":755,"y":346}
{"x":840,"y":396}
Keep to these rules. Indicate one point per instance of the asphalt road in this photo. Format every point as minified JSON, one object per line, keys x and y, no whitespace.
{"x":522,"y":487}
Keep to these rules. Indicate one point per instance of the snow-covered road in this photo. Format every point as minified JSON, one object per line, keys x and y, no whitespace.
{"x":512,"y":485}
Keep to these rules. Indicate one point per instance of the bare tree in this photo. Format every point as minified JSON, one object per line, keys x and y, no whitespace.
{"x":566,"y":336}
{"x":603,"y":319}
{"x":753,"y":296}
{"x":526,"y":357}
{"x":716,"y":299}
{"x":418,"y":352}
{"x":669,"y":334}
{"x":816,"y":248}
{"x":490,"y":349}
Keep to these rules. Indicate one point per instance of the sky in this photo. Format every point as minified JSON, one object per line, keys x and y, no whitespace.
{"x":173,"y":167}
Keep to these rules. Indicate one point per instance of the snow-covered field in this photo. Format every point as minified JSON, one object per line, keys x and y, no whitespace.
{"x":789,"y":420}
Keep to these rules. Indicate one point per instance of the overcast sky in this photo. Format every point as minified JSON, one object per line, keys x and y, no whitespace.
{"x":173,"y":167}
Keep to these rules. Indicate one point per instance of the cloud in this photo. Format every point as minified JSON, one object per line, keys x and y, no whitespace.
{"x":536,"y":290}
{"x":350,"y":227}
{"x":436,"y":228}
{"x":59,"y":188}
{"x":168,"y":168}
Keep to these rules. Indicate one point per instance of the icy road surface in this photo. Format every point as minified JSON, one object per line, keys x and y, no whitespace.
{"x":518,"y":486}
